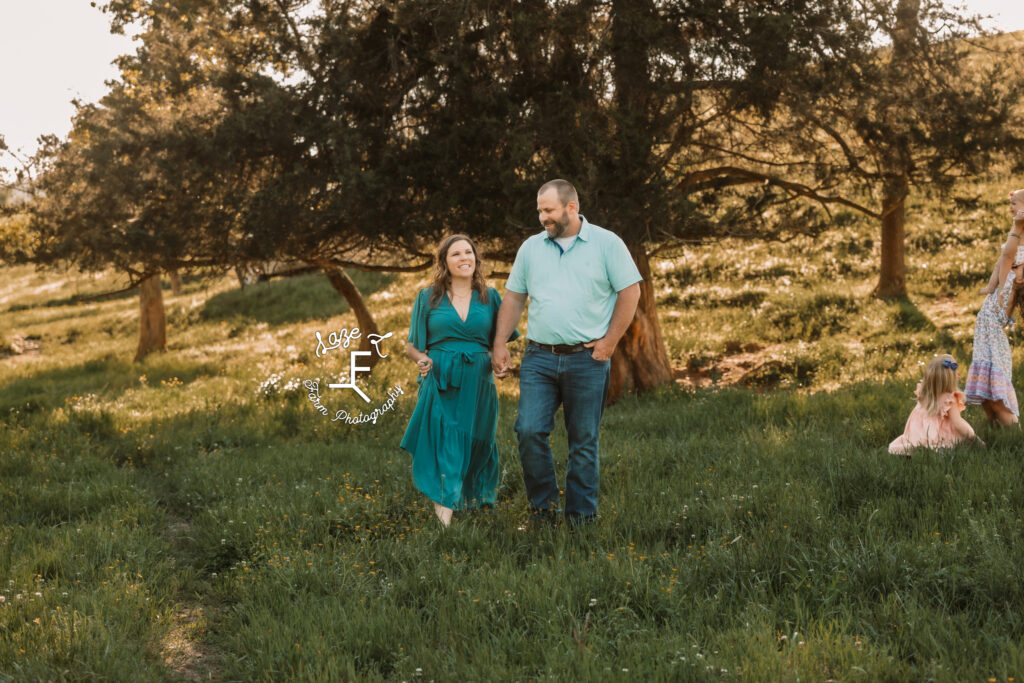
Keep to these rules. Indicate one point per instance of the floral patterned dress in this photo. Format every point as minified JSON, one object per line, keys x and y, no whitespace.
{"x":988,"y":378}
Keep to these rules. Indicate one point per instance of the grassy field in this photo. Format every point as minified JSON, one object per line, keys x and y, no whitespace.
{"x":192,"y":516}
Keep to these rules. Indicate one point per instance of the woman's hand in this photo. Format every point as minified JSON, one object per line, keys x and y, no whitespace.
{"x":424,"y":366}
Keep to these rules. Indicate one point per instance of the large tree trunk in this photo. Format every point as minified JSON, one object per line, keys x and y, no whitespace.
{"x":892,"y":275}
{"x":175,"y":278}
{"x":640,"y":362}
{"x":343,"y":284}
{"x":152,"y":321}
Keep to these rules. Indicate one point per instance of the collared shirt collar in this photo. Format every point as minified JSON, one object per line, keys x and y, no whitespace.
{"x":583,"y":234}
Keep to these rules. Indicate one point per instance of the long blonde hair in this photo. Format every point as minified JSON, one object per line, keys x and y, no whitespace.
{"x":939,"y":378}
{"x":443,"y":277}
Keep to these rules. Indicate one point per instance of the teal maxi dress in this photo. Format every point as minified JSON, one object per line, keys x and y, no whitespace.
{"x":451,"y":431}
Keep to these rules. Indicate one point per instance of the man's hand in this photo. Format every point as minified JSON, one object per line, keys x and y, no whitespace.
{"x":501,"y":360}
{"x":603,"y":348}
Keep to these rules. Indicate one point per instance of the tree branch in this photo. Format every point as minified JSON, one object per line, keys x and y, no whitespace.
{"x":391,"y":268}
{"x":734,"y":175}
{"x":308,"y":62}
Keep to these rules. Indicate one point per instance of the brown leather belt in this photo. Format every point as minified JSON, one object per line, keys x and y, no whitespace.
{"x":561,"y":349}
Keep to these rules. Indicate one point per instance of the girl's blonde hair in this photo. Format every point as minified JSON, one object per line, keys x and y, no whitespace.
{"x":939,"y":379}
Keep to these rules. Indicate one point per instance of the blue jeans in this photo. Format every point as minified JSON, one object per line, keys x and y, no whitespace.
{"x":579,"y":384}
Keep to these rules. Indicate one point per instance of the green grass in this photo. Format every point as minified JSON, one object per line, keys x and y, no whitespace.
{"x":191,"y":516}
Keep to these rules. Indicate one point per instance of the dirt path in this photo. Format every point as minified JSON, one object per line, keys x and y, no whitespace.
{"x":183,"y":648}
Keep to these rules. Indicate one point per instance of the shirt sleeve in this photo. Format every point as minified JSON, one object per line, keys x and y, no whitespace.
{"x":622,"y":271}
{"x":418,"y":322}
{"x":517,"y":276}
{"x":495,"y":300}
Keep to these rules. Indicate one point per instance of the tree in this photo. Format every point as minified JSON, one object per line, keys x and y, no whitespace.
{"x":929,"y":108}
{"x":357,"y":133}
{"x":450,"y":116}
{"x":138,"y":175}
{"x":622,"y":98}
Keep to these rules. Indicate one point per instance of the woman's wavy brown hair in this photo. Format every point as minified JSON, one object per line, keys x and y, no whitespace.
{"x":443,"y":277}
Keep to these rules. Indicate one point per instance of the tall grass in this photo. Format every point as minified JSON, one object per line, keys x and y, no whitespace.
{"x":192,"y":516}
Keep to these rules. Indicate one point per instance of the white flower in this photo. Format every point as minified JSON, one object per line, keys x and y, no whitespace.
{"x":593,"y":601}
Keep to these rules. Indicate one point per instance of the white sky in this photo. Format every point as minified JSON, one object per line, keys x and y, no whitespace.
{"x":52,"y":51}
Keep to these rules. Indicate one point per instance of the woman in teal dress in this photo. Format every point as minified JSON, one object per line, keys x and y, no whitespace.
{"x":451,"y":432}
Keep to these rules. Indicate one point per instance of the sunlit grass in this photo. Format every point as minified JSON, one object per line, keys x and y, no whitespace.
{"x":191,"y":515}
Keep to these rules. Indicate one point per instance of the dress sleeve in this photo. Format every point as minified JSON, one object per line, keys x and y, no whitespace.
{"x":418,"y":322}
{"x":951,"y":403}
{"x":495,"y":300}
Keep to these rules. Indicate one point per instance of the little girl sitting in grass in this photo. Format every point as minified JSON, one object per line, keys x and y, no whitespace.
{"x":935,"y":421}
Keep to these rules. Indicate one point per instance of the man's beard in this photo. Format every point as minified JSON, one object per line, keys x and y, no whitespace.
{"x":558,"y":229}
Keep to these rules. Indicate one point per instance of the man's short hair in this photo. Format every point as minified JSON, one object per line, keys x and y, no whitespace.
{"x":566,"y":192}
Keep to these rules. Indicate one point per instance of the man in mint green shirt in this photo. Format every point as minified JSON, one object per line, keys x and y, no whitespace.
{"x":583,"y":288}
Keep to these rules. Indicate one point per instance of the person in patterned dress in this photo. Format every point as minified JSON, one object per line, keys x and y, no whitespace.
{"x":989,"y":379}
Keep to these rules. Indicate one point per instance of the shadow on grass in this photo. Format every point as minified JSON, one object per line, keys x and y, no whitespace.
{"x":72,"y":300}
{"x":107,"y":377}
{"x":907,"y":316}
{"x":90,"y":298}
{"x":293,"y":300}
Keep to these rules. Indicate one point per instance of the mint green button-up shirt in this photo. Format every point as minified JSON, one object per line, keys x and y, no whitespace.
{"x":572,"y":292}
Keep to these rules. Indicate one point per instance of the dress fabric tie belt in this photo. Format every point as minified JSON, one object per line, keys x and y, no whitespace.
{"x":451,"y":359}
{"x":449,"y":375}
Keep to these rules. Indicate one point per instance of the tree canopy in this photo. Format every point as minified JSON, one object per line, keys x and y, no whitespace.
{"x":357,"y":133}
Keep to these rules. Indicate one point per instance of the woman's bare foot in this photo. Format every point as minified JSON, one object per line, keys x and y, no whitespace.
{"x":444,"y":514}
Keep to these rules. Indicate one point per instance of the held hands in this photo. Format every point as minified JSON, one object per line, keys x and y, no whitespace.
{"x":603,"y":348}
{"x":501,"y":361}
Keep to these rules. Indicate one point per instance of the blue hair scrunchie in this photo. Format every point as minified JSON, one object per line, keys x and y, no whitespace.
{"x":951,"y":364}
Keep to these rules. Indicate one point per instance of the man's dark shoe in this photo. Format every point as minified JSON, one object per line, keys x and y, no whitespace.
{"x":540,"y":519}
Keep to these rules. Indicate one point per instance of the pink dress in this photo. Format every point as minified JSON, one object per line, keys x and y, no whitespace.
{"x":931,"y":431}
